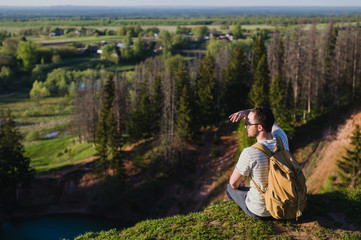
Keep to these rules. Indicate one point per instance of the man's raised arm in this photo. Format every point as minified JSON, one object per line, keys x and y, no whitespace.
{"x":235,"y":117}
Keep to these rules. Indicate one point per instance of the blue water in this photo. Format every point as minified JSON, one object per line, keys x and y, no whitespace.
{"x":55,"y":227}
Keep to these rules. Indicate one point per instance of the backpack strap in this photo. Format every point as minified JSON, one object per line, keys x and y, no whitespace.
{"x":259,"y":146}
{"x":279,"y":144}
{"x":262,"y":193}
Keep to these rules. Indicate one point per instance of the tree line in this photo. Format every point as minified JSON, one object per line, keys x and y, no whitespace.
{"x":175,"y":19}
{"x":299,"y":73}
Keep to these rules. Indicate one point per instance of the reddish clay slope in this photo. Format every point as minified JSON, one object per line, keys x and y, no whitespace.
{"x":331,"y":149}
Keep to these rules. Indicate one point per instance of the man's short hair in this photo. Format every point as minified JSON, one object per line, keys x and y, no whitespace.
{"x":265,"y":117}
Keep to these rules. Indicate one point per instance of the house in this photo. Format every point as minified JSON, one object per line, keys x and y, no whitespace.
{"x":56,"y":33}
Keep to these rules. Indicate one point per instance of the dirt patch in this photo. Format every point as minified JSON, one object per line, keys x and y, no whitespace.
{"x":332,"y":150}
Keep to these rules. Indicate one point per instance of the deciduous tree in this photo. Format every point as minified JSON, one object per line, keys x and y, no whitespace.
{"x":26,"y":52}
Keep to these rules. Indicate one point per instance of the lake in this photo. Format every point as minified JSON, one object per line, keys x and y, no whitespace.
{"x":55,"y":227}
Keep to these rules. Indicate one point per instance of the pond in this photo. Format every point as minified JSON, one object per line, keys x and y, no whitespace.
{"x":55,"y":227}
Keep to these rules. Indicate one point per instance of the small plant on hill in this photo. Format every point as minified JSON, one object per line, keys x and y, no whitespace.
{"x":350,"y":166}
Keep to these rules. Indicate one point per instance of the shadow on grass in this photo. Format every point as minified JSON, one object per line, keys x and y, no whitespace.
{"x":334,"y":210}
{"x":48,"y":115}
{"x":324,"y":125}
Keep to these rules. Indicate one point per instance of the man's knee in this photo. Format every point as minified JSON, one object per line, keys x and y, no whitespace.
{"x":228,"y":192}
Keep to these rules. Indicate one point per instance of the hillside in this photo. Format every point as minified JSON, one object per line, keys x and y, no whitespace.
{"x":226,"y":221}
{"x":322,"y":220}
{"x":320,"y":156}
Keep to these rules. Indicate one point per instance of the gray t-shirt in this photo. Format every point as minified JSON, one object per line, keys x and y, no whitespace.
{"x":255,"y":164}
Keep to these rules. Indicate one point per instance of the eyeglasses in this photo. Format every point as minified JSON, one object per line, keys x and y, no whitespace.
{"x":247,"y":123}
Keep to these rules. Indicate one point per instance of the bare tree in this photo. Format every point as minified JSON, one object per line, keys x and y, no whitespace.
{"x":121,"y":105}
{"x":356,"y":57}
{"x":168,"y":120}
{"x":311,"y":74}
{"x":296,"y":61}
{"x":273,"y":53}
{"x":87,"y":109}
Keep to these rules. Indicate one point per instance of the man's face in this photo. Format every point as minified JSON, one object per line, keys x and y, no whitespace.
{"x":252,"y":128}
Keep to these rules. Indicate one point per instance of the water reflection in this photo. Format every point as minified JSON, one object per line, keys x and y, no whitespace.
{"x":55,"y":227}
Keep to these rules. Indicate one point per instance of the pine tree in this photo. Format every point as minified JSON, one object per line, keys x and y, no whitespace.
{"x":280,"y":105}
{"x":205,"y":87}
{"x":350,"y":167}
{"x":184,"y":107}
{"x":236,"y":82}
{"x":184,"y":119}
{"x":15,"y":170}
{"x":157,"y":100}
{"x":141,"y":115}
{"x":258,"y":50}
{"x":106,"y":125}
{"x":259,"y":94}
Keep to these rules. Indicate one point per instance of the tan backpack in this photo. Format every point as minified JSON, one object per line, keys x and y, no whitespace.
{"x":285,"y":194}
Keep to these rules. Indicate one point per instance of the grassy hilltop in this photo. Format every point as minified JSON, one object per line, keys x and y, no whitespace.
{"x":333,"y":215}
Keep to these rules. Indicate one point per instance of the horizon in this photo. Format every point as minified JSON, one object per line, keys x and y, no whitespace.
{"x":184,"y":3}
{"x":176,"y":6}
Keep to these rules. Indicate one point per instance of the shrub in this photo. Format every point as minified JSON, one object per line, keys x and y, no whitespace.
{"x":32,"y":135}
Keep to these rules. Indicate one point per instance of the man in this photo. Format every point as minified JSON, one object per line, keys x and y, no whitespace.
{"x":252,"y":163}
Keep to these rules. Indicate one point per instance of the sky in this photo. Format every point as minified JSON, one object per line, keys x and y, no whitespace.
{"x":181,"y":3}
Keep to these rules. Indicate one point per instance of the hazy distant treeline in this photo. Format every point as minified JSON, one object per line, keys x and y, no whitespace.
{"x":170,"y":12}
{"x":174,"y":17}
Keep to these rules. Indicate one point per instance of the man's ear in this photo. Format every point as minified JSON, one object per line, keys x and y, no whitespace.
{"x":260,"y":128}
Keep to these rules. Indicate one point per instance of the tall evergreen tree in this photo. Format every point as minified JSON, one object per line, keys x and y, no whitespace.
{"x":157,"y":100}
{"x":184,"y":108}
{"x":184,"y":119}
{"x":281,"y":106}
{"x":259,"y":94}
{"x":350,"y":166}
{"x":205,"y":87}
{"x":15,"y":170}
{"x":236,"y":82}
{"x":106,"y":125}
{"x":258,"y":50}
{"x":141,"y":115}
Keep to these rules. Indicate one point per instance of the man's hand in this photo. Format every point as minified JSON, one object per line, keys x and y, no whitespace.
{"x":236,"y":180}
{"x":235,"y":117}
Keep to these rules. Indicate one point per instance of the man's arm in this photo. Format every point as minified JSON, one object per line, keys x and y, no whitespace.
{"x":277,"y":131}
{"x":235,"y":179}
{"x":235,"y":117}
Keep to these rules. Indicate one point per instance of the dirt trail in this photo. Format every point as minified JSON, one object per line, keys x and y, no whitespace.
{"x":332,"y":150}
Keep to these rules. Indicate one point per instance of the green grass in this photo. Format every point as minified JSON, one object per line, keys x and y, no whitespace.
{"x":83,"y":39}
{"x":52,"y":113}
{"x":218,"y":221}
{"x":227,"y":221}
{"x":49,"y":154}
{"x":35,"y":121}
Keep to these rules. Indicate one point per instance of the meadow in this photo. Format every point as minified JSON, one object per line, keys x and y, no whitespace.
{"x":49,"y":138}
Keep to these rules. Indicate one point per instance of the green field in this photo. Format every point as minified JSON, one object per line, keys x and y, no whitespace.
{"x":35,"y":121}
{"x":82,"y":39}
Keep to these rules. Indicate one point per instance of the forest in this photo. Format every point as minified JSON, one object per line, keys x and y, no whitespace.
{"x":160,"y":83}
